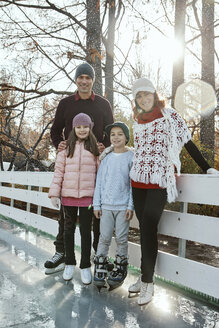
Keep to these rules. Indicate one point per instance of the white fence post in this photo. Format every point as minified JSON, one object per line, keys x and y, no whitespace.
{"x":39,"y":208}
{"x":28,"y":204}
{"x":12,"y":200}
{"x":182,"y":242}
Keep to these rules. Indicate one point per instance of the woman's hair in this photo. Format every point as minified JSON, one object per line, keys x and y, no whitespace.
{"x":90,"y":143}
{"x":157,"y":103}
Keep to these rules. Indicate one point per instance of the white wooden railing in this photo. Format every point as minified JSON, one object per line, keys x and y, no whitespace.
{"x":201,"y":189}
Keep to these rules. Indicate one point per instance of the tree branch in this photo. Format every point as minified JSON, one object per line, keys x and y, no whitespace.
{"x":51,"y":7}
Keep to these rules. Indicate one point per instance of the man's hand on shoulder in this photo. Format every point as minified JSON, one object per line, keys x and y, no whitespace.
{"x":101,"y":147}
{"x":62,"y":146}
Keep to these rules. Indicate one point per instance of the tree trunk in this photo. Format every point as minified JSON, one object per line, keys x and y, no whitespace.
{"x":207,"y":129}
{"x":94,"y":42}
{"x":110,"y":52}
{"x":179,"y":33}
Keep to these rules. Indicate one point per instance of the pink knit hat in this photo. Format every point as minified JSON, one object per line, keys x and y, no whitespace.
{"x":82,"y":119}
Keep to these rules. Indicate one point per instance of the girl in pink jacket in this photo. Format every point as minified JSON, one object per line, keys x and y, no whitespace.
{"x":74,"y":182}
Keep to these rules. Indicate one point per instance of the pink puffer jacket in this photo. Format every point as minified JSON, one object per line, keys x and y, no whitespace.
{"x":76,"y":176}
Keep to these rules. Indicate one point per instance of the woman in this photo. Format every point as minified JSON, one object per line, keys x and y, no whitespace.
{"x":159,"y":135}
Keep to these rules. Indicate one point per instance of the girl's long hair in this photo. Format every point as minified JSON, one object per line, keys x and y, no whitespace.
{"x":137,"y":111}
{"x":90,"y":144}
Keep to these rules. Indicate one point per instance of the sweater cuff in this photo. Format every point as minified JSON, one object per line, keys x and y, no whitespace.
{"x":96,"y":208}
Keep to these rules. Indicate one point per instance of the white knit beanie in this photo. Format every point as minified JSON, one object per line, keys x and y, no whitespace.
{"x":142,"y":84}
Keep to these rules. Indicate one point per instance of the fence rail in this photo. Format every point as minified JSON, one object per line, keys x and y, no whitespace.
{"x":201,"y":189}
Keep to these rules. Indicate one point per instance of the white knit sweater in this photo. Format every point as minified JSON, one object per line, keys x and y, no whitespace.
{"x":157,"y":148}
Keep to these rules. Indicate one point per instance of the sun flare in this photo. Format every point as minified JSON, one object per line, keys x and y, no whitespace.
{"x":169,"y":48}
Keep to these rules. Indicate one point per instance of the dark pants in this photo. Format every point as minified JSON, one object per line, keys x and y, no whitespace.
{"x":85,"y":220}
{"x":149,"y":205}
{"x":59,"y":242}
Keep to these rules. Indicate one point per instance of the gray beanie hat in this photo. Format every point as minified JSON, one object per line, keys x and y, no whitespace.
{"x":84,"y":68}
{"x":142,"y":84}
{"x":82,"y":119}
{"x":121,"y":125}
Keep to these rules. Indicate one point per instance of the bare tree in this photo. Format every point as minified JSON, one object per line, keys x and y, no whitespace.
{"x":93,"y":45}
{"x":179,"y":34}
{"x":14,"y":133}
{"x":114,"y":13}
{"x":207,"y":124}
{"x":47,"y":44}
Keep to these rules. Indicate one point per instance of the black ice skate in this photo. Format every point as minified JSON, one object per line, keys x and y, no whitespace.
{"x":56,"y":264}
{"x":102,"y":266}
{"x":119,"y":273}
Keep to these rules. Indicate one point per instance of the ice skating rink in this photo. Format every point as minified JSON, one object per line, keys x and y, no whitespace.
{"x":29,"y":298}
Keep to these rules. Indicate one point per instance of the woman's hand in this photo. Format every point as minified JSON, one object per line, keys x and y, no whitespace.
{"x":212,"y":171}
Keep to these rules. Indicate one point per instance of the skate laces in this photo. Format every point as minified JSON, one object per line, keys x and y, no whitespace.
{"x":121,"y":264}
{"x":143,"y":290}
{"x":146,"y":289}
{"x":101,"y":263}
{"x":56,"y":257}
{"x":137,"y":283}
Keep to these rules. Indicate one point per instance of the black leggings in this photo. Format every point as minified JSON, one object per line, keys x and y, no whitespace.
{"x":85,"y":220}
{"x":149,"y":205}
{"x":59,"y":242}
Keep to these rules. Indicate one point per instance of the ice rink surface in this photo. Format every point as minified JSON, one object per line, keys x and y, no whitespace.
{"x":29,"y":298}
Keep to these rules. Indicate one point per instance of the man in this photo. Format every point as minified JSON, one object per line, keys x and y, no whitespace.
{"x":84,"y":100}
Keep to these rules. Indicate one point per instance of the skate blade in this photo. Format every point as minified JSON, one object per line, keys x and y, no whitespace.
{"x":87,"y":283}
{"x":60,"y":267}
{"x":99,"y":285}
{"x":133,"y":294}
{"x":145,"y":304}
{"x":67,"y":281}
{"x":114,"y":286}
